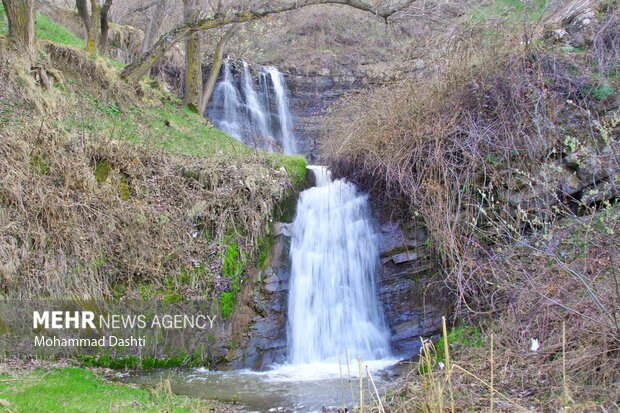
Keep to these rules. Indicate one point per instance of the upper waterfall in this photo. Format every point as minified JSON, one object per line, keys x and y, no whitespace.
{"x":254,"y":111}
{"x":333,"y":308}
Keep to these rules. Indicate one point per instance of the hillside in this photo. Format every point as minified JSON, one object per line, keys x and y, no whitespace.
{"x":510,"y":156}
{"x":456,"y":250}
{"x":111,"y":191}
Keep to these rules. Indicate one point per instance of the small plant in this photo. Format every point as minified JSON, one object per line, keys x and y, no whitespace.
{"x":602,"y":93}
{"x":39,"y":164}
{"x":571,"y":144}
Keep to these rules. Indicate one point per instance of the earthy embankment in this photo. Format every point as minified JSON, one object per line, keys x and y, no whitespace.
{"x":508,"y":149}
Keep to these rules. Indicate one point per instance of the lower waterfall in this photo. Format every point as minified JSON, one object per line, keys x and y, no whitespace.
{"x":333,"y":308}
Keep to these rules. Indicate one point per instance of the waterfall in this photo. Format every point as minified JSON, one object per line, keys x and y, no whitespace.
{"x":226,"y":114}
{"x":257,"y":115}
{"x":332,"y":299}
{"x":284,"y":115}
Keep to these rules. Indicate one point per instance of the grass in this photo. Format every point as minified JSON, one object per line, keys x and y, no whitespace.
{"x":46,"y":29}
{"x":171,"y":128}
{"x":72,"y":390}
{"x":461,"y":336}
{"x":512,"y":9}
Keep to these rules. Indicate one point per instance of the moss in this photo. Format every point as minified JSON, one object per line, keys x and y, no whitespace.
{"x":227,"y":303}
{"x":295,"y":167}
{"x":231,"y":268}
{"x":123,"y":188}
{"x":102,"y":171}
{"x":264,"y":251}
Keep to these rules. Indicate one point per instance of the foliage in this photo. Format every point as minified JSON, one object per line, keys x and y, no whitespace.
{"x":460,"y":336}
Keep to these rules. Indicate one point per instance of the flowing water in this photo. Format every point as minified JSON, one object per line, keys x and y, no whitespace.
{"x":255,"y":112}
{"x":333,"y":312}
{"x":333,"y":308}
{"x":284,"y":115}
{"x":334,"y":318}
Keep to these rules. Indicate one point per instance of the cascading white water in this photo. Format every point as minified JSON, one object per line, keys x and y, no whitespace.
{"x":332,"y":303}
{"x":263,"y":90}
{"x":256,"y":112}
{"x":284,"y":115}
{"x":247,"y":112}
{"x":228,"y":111}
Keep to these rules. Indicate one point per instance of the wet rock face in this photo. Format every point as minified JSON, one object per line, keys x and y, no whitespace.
{"x":412,"y":294}
{"x":309,"y":97}
{"x":264,"y":343}
{"x":408,"y":287}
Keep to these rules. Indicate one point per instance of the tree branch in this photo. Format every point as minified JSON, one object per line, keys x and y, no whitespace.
{"x":137,"y":69}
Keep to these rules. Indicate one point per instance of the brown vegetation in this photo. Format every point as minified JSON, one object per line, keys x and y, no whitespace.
{"x":499,"y":152}
{"x":86,"y":214}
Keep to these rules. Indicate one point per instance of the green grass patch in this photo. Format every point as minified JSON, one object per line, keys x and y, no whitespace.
{"x":40,"y":164}
{"x":46,"y":29}
{"x":461,"y":336}
{"x":509,"y":9}
{"x":602,"y":93}
{"x":72,"y":390}
{"x":169,"y":127}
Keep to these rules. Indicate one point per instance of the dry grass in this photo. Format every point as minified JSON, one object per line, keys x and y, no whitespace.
{"x":484,"y":150}
{"x":87,"y":215}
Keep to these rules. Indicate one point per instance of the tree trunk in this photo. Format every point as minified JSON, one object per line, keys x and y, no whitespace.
{"x":20,"y":14}
{"x":215,"y":69}
{"x":91,"y":23}
{"x":152,"y":30}
{"x":142,"y":64}
{"x":193,"y":72}
{"x":193,"y":67}
{"x":104,"y":22}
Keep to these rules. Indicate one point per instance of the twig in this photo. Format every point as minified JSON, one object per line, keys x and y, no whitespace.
{"x":381,"y":409}
{"x":341,"y":382}
{"x":359,"y":363}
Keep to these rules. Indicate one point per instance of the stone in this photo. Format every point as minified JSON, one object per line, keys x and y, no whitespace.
{"x":393,"y":239}
{"x":310,"y":177}
{"x":413,"y":305}
{"x":404,"y":257}
{"x":282,"y":228}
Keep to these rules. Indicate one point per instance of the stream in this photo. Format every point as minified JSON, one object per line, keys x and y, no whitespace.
{"x":333,"y":316}
{"x":336,"y":329}
{"x":287,"y":388}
